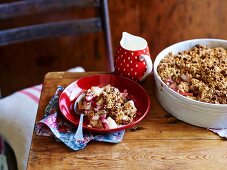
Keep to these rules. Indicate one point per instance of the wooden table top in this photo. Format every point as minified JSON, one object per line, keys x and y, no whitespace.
{"x":159,"y":142}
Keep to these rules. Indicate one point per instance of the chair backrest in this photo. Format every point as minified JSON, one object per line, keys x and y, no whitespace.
{"x":55,"y":29}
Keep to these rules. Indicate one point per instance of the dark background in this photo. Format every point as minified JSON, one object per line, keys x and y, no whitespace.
{"x":160,"y":22}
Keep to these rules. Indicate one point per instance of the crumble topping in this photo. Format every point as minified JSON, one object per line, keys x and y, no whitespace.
{"x":107,"y":107}
{"x":199,"y":73}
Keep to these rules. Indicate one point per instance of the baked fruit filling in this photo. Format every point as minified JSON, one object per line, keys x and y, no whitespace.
{"x":199,"y":73}
{"x":107,"y":108}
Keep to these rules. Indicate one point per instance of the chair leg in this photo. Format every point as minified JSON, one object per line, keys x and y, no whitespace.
{"x":11,"y":158}
{"x":108,"y":40}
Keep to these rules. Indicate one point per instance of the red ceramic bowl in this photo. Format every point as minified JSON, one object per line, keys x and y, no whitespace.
{"x":72,"y":91}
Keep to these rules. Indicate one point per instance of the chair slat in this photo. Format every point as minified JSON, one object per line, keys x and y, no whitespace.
{"x":22,"y":8}
{"x":53,"y":29}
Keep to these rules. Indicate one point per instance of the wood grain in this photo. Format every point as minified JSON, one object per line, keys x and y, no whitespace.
{"x":22,"y":8}
{"x":160,"y":141}
{"x":53,"y":29}
{"x":160,"y":22}
{"x":134,"y":154}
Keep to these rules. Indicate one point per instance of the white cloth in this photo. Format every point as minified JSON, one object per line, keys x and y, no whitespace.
{"x":221,"y":132}
{"x":17,"y":119}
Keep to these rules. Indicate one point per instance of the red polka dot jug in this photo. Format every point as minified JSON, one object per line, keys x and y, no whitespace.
{"x":132,"y":58}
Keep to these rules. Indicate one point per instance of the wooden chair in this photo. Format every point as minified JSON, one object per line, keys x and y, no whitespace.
{"x":55,"y":29}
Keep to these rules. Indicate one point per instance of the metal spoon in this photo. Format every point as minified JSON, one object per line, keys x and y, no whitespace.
{"x":79,"y":131}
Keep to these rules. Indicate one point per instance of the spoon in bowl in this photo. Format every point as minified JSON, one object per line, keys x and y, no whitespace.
{"x":79,"y":131}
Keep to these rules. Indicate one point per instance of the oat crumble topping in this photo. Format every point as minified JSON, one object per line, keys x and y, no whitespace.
{"x":107,"y":107}
{"x":199,"y":73}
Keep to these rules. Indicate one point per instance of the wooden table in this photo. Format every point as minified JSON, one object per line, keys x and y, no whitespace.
{"x":159,"y":142}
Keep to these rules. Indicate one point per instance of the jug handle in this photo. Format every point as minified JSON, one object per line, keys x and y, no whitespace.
{"x":149,"y":65}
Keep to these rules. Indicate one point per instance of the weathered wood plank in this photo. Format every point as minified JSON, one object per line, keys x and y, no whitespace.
{"x":131,"y":154}
{"x":53,"y":29}
{"x":22,"y":8}
{"x":160,"y":142}
{"x":161,"y":23}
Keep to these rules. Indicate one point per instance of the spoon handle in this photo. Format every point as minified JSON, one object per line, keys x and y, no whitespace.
{"x":79,"y":131}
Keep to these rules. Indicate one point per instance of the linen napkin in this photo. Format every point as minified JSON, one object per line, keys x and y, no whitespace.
{"x":221,"y":132}
{"x":54,"y":124}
